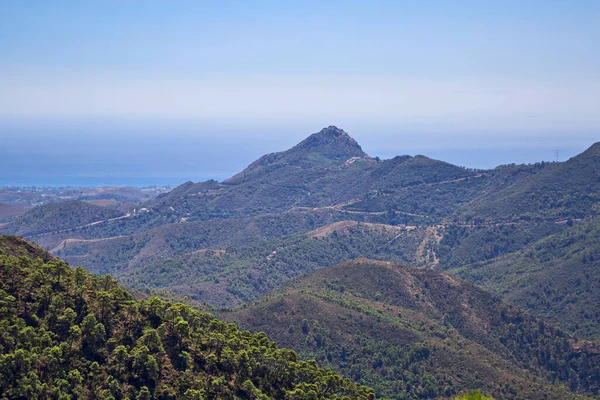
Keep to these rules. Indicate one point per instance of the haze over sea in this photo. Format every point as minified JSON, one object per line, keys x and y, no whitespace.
{"x":99,"y":92}
{"x":93,"y":153}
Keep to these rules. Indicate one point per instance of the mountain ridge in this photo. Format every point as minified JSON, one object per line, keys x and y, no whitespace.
{"x":16,"y":246}
{"x":329,"y":145}
{"x":363,"y":311}
{"x":498,"y":211}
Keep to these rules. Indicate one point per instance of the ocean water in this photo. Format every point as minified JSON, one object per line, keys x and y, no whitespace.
{"x":66,"y":181}
{"x":95,"y":154}
{"x":69,"y":174}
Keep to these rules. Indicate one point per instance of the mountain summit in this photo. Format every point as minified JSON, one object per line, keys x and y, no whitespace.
{"x":330,"y":144}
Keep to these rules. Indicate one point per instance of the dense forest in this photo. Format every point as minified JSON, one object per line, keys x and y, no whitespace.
{"x":67,"y":334}
{"x":556,"y":277}
{"x":413,"y":333}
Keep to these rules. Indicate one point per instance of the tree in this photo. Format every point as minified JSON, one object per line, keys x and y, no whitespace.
{"x":144,"y":394}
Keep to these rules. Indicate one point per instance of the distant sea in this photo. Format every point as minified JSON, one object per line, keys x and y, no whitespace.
{"x":93,"y":181}
{"x":89,"y":154}
{"x":64,"y":173}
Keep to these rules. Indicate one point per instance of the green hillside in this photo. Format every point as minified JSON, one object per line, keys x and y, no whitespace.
{"x":59,"y":216}
{"x":118,"y":252}
{"x":233,"y":275}
{"x":415,"y":333}
{"x":558,"y":190}
{"x":8,"y":211}
{"x":66,"y":334}
{"x":557,"y":277}
{"x":214,"y":241}
{"x":15,"y":246}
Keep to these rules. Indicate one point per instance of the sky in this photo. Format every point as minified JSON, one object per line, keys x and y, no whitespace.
{"x":164,"y":90}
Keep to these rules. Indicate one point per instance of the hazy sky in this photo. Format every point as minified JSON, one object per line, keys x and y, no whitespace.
{"x":435,"y":77}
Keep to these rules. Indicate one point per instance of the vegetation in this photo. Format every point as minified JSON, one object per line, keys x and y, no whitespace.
{"x":556,"y":277}
{"x":58,"y":216}
{"x":234,"y":275}
{"x":67,"y":334}
{"x":468,"y":244}
{"x":528,"y":233}
{"x":414,"y":333}
{"x":9,"y":211}
{"x":473,"y":396}
{"x":557,"y":190}
{"x":486,"y":225}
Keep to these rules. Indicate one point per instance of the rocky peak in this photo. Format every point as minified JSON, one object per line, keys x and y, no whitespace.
{"x":331,"y":142}
{"x":329,"y":145}
{"x":333,"y":131}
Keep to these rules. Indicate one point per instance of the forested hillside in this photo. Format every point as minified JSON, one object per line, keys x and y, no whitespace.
{"x":556,"y":277}
{"x":233,"y":275}
{"x":560,"y":190}
{"x":68,"y":334}
{"x":59,"y":216}
{"x":414,"y":333}
{"x":230,"y":242}
{"x":9,"y":211}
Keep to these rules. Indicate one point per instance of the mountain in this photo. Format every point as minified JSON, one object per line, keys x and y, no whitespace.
{"x":458,"y":218}
{"x":15,"y":246}
{"x":416,"y":333}
{"x":232,"y":275}
{"x":560,"y":190}
{"x":276,"y":182}
{"x":34,"y":196}
{"x":59,"y":216}
{"x":8,"y":211}
{"x":328,"y":146}
{"x":556,"y":277}
{"x":69,"y":334}
{"x":327,"y":169}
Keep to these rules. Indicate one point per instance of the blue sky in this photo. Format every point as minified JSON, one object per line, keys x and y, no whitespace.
{"x":431,"y":77}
